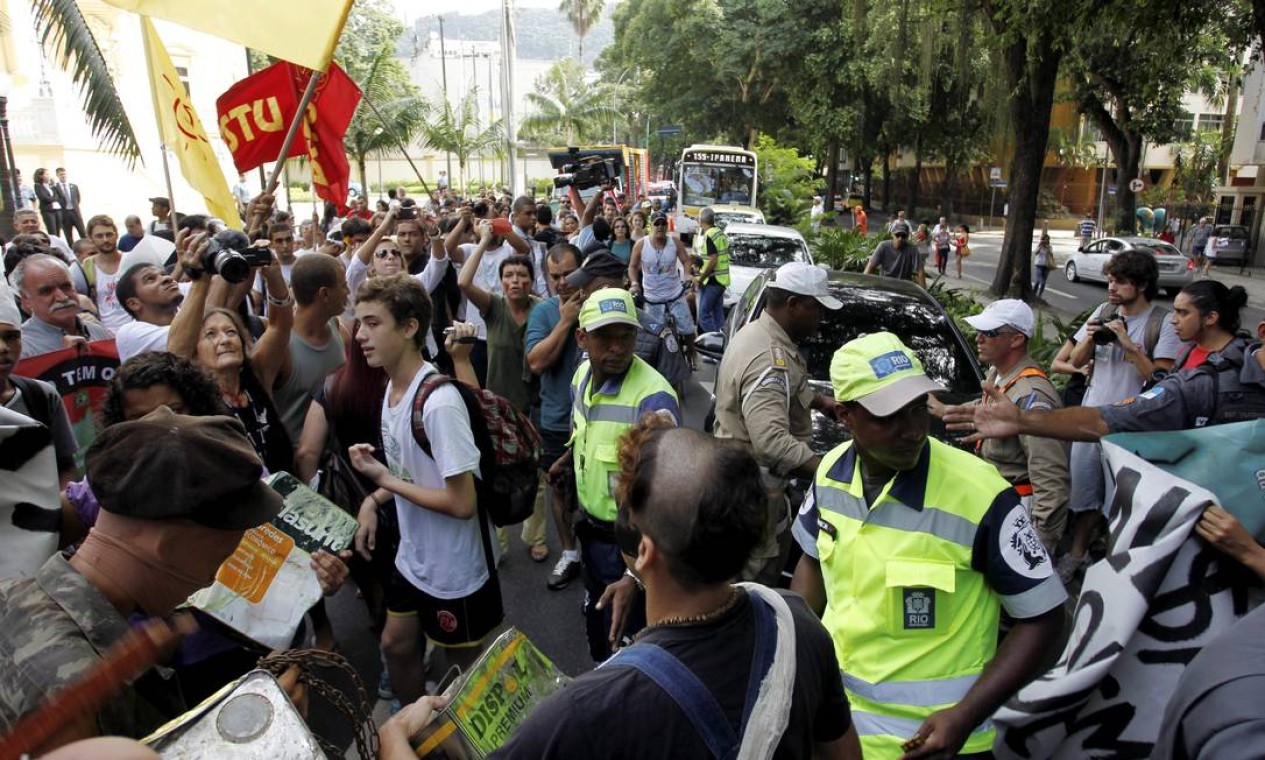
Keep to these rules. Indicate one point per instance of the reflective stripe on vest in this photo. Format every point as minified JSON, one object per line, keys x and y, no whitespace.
{"x":598,"y":421}
{"x":721,"y":272}
{"x":912,"y":621}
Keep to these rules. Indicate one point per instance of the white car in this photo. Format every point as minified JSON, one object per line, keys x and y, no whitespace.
{"x":727,"y":215}
{"x":1176,"y":269}
{"x":754,"y":248}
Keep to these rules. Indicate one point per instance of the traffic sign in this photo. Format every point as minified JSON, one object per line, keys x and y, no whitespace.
{"x":998,"y":183}
{"x":669,"y":130}
{"x":1111,"y":189}
{"x":1136,"y":185}
{"x":994,"y":174}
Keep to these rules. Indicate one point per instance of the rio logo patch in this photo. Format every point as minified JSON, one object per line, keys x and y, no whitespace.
{"x":919,"y":608}
{"x":612,"y":304}
{"x":890,"y":363}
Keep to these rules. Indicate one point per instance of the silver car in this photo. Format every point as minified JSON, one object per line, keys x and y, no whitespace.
{"x":1176,"y":269}
{"x":754,"y":248}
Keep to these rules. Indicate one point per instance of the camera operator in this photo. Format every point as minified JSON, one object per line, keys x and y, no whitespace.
{"x":1131,"y":343}
{"x":595,"y":231}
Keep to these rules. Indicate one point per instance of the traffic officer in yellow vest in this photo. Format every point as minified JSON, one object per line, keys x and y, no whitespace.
{"x":713,"y":247}
{"x":611,"y":391}
{"x":1035,"y":466}
{"x":763,"y":398}
{"x":911,"y":548}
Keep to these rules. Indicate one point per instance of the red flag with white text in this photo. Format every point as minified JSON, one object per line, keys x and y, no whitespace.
{"x":255,"y":113}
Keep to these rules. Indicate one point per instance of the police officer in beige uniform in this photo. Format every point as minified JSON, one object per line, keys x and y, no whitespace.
{"x":1035,"y":466}
{"x":763,"y":398}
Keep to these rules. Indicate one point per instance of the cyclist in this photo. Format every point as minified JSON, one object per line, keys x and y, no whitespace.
{"x":662,"y":274}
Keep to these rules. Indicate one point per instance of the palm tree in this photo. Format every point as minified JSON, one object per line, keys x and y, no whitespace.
{"x":567,"y":116}
{"x":400,"y":112}
{"x":66,"y":32}
{"x":583,"y":15}
{"x":457,"y":131}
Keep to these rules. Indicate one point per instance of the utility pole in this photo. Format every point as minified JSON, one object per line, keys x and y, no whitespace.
{"x":508,"y":57}
{"x":443,"y":68}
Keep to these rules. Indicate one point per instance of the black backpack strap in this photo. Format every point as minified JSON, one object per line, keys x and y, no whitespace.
{"x":36,"y":400}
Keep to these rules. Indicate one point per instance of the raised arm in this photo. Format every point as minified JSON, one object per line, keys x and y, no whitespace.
{"x":365,"y":251}
{"x":273,"y":348}
{"x":182,"y":336}
{"x":453,"y":238}
{"x":481,"y":298}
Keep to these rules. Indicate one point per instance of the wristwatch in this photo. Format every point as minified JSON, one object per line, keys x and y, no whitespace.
{"x":629,"y":573}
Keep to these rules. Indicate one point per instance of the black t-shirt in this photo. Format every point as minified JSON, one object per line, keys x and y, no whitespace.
{"x":620,"y":713}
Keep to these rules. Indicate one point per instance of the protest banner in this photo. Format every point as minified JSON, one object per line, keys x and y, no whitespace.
{"x":492,"y":699}
{"x":263,"y":590}
{"x":1145,"y":610}
{"x":82,"y":378}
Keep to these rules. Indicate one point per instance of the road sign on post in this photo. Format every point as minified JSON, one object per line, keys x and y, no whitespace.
{"x":669,"y":130}
{"x":1136,"y":185}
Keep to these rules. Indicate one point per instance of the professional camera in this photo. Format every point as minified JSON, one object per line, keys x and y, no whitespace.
{"x":587,"y":172}
{"x":230,"y":255}
{"x":408,"y":209}
{"x":1104,"y":336}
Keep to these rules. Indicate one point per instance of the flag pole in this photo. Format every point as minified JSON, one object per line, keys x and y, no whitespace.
{"x":398,"y":141}
{"x":158,"y":121}
{"x":299,"y":116}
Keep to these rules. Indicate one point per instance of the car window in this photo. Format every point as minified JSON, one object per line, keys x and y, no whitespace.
{"x":1115,"y":245}
{"x":922,"y":327}
{"x":764,"y":252}
{"x":1234,"y":233}
{"x":1095,"y":247}
{"x":1165,"y":249}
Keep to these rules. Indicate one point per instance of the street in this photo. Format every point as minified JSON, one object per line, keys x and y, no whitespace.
{"x":1071,"y":298}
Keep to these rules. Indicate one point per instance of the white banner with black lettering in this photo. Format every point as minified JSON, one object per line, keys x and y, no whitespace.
{"x":1144,"y":612}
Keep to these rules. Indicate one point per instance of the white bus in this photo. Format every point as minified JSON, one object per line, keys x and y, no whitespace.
{"x":713,"y":175}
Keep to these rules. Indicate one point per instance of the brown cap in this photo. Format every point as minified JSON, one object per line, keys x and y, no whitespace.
{"x":168,"y":466}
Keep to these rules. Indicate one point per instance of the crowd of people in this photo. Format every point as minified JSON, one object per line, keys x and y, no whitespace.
{"x":932,"y":577}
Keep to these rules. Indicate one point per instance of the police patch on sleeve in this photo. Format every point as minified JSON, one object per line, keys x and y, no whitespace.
{"x":1021,"y":548}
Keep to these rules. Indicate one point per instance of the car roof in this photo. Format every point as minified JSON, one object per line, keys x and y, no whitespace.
{"x":763,"y":230}
{"x":843,"y":283}
{"x":736,"y":208}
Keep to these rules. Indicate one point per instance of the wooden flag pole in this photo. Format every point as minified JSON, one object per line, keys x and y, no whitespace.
{"x":294,"y":131}
{"x":398,"y":141}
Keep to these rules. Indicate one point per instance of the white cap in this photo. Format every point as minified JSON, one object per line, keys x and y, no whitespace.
{"x":805,"y":279}
{"x":9,"y":313}
{"x":1008,"y":312}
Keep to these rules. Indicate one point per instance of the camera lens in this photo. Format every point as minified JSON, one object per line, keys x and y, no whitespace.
{"x":232,"y":266}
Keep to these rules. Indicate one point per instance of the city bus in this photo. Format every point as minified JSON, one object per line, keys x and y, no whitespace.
{"x":711,"y":175}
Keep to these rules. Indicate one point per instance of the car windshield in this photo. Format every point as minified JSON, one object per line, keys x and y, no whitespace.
{"x":1234,"y":233}
{"x":1157,"y":248}
{"x":726,"y":218}
{"x":920,"y":326}
{"x":764,"y":252}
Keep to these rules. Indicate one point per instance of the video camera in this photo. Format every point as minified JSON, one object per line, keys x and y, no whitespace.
{"x":587,"y":172}
{"x":230,"y":255}
{"x":408,"y":209}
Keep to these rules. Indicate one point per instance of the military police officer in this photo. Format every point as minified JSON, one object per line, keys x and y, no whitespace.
{"x":1035,"y":466}
{"x":763,"y":398}
{"x":712,"y":247}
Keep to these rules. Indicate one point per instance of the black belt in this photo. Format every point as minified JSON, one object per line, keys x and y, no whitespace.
{"x":594,"y":528}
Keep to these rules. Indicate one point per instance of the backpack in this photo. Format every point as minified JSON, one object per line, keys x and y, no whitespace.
{"x":36,"y":399}
{"x":1233,"y":401}
{"x":89,"y":268}
{"x":509,"y":447}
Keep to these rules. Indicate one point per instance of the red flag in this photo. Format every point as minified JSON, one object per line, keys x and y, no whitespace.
{"x":82,"y":377}
{"x":256,"y":112}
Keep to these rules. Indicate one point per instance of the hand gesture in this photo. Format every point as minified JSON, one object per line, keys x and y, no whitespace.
{"x":939,"y":737}
{"x":619,"y":596}
{"x":361,"y":457}
{"x":999,"y":418}
{"x":570,"y":307}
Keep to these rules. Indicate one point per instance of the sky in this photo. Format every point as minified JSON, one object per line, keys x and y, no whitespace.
{"x":413,"y":9}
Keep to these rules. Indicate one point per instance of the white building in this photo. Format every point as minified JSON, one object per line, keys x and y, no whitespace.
{"x":1241,"y":200}
{"x":49,"y":129}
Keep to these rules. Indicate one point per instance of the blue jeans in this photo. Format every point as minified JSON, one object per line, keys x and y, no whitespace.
{"x":711,"y":307}
{"x":1043,"y":273}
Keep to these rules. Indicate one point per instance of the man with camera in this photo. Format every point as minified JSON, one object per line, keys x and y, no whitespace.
{"x":1131,"y":343}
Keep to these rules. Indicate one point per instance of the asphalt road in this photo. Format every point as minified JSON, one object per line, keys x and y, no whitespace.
{"x":1072,"y":298}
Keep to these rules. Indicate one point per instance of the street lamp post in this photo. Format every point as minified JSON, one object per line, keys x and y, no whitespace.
{"x":7,"y":164}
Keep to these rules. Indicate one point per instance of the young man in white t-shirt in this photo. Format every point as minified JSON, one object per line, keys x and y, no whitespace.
{"x":444,"y":585}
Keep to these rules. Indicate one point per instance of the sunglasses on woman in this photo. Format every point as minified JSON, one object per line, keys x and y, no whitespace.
{"x":385,"y":252}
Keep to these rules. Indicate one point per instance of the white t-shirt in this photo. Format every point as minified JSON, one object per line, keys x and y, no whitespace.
{"x":137,"y":337}
{"x":110,"y":312}
{"x":488,"y":277}
{"x":441,"y":555}
{"x":1115,"y":379}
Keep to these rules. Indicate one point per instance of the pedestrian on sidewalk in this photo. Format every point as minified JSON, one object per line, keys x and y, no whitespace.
{"x":961,"y":245}
{"x":1042,"y":263}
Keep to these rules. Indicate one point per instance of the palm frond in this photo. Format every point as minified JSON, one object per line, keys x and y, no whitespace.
{"x":66,"y":33}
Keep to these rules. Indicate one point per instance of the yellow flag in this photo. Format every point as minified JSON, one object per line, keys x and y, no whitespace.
{"x":181,"y":130}
{"x":300,"y":31}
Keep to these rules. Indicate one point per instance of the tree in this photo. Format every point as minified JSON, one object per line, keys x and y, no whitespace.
{"x":457,"y":131}
{"x":583,"y":15}
{"x":566,"y":111}
{"x":64,"y":29}
{"x":1129,"y":78}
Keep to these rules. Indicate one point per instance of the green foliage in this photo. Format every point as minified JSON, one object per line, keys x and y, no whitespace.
{"x":786,"y":182}
{"x":843,"y":249}
{"x":565,"y":110}
{"x":959,"y":304}
{"x":582,"y":15}
{"x":457,"y":131}
{"x":64,"y":31}
{"x":1195,"y":166}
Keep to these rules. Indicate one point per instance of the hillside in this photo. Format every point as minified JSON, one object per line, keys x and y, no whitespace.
{"x":542,"y":33}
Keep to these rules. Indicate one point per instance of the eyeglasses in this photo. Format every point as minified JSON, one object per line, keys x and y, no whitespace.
{"x":627,"y":535}
{"x":995,"y":332}
{"x":385,"y":252}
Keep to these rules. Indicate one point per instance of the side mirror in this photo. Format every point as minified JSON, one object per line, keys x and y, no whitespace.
{"x":710,"y":345}
{"x":1080,"y":249}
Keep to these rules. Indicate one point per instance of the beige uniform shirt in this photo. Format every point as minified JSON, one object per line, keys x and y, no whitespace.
{"x":763,"y":396}
{"x":1027,"y":459}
